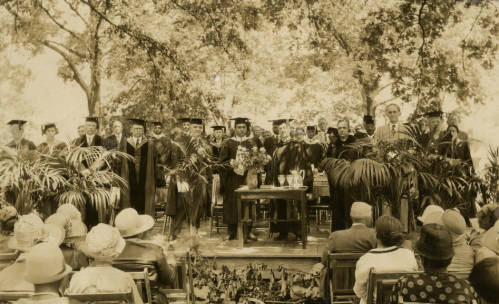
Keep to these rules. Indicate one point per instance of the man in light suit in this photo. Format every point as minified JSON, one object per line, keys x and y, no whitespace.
{"x":394,"y":130}
{"x":358,"y":238}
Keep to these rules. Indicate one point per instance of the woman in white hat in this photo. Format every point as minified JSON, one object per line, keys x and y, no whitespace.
{"x":8,"y":217}
{"x":29,"y":230}
{"x":134,"y":228}
{"x":45,"y":269}
{"x":102,"y":245}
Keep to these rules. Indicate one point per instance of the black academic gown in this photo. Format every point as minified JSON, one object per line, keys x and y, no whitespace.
{"x":24,"y":144}
{"x":229,"y":179}
{"x":140,"y":174}
{"x":91,"y":214}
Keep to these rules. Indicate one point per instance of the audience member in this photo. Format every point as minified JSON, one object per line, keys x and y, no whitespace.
{"x":29,"y":230}
{"x":432,"y":214}
{"x":387,"y":257}
{"x":464,"y":256}
{"x":71,"y":247}
{"x":360,"y":237}
{"x":489,"y":243}
{"x":70,"y":211}
{"x":103,"y":244}
{"x":435,"y":284}
{"x":8,"y":217}
{"x":134,"y":228}
{"x":487,"y":216}
{"x":485,"y":279}
{"x":45,"y":269}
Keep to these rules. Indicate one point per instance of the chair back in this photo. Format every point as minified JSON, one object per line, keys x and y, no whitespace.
{"x":120,"y":297}
{"x":183,"y":291}
{"x":7,"y":258}
{"x":11,"y":296}
{"x":341,"y":276}
{"x":141,"y":279}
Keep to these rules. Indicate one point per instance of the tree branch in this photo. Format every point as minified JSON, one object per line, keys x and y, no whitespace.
{"x":60,"y":24}
{"x":76,"y":74}
{"x":467,"y":35}
{"x":386,"y":101}
{"x":74,"y":9}
{"x":383,"y":87}
{"x":81,"y":55}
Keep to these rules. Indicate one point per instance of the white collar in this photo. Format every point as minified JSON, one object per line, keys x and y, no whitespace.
{"x":240,"y":139}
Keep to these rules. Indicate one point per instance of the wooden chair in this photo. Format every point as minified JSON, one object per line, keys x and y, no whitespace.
{"x":184,"y":289}
{"x":142,"y":281}
{"x":380,"y":285}
{"x":11,"y":296}
{"x":341,"y":276}
{"x":216,"y":205}
{"x":103,"y":297}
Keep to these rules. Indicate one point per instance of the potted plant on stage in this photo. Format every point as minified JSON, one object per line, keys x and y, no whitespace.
{"x":27,"y":178}
{"x":253,"y":160}
{"x":191,"y":170}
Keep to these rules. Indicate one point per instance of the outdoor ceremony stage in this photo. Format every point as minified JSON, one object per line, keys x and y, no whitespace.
{"x":266,"y":251}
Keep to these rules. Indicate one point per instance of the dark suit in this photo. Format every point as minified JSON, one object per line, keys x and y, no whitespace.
{"x":91,"y":214}
{"x":358,"y":238}
{"x":138,"y":252}
{"x":111,"y":142}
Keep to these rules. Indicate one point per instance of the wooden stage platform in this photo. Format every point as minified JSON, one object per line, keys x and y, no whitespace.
{"x":267,"y":251}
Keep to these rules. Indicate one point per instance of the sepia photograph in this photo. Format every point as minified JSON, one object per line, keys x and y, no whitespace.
{"x":249,"y":151}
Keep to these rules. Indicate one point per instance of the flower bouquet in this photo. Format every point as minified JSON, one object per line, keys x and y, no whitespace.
{"x":253,"y":160}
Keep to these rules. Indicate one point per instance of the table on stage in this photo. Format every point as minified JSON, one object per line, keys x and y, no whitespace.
{"x":244,"y":194}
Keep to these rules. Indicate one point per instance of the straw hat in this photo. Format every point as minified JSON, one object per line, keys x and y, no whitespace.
{"x":7,"y":212}
{"x":454,"y":222}
{"x":130,"y":223}
{"x":490,"y":238}
{"x":53,"y":233}
{"x":45,"y":264}
{"x":28,"y":231}
{"x":58,"y":219}
{"x":103,"y":242}
{"x":361,"y":210}
{"x":429,"y":210}
{"x":70,"y":211}
{"x":76,"y":229}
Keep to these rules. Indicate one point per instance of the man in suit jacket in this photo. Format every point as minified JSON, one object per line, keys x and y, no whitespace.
{"x":91,"y":138}
{"x":394,"y":130}
{"x":117,"y":139}
{"x":358,"y":238}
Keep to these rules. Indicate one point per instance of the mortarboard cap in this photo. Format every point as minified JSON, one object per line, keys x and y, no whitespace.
{"x":48,"y":125}
{"x":218,"y":128}
{"x":332,"y":130}
{"x":157,"y":123}
{"x":311,"y":128}
{"x":93,"y":119}
{"x":184,"y":119}
{"x":436,"y":113}
{"x":196,"y":121}
{"x":280,"y":121}
{"x":368,"y":119}
{"x":17,"y":122}
{"x":240,"y":120}
{"x":137,"y":121}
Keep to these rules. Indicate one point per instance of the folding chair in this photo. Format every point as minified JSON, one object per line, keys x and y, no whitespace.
{"x":341,"y":276}
{"x":11,"y":296}
{"x":103,"y":297}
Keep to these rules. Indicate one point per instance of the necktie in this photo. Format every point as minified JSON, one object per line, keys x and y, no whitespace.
{"x":138,"y":142}
{"x":393,"y":130}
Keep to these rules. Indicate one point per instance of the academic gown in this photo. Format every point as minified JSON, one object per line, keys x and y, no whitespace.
{"x":230,"y":180}
{"x":140,"y":175}
{"x":24,"y":144}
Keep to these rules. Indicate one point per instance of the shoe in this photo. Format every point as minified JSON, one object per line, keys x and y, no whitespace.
{"x":230,"y":238}
{"x":281,"y":237}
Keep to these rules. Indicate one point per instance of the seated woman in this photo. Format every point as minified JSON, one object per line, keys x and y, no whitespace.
{"x":489,"y":244}
{"x":29,"y":230}
{"x":45,"y":269}
{"x":386,"y":257}
{"x":138,"y":250}
{"x":68,"y":218}
{"x":435,"y":284}
{"x":103,"y":244}
{"x":8,"y":217}
{"x":485,"y":279}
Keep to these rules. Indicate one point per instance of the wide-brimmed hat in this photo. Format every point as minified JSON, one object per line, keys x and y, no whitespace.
{"x":45,"y":264}
{"x":28,"y":231}
{"x":70,"y":211}
{"x":103,"y":242}
{"x":130,"y":223}
{"x":7,"y":212}
{"x":454,"y":222}
{"x":429,"y":210}
{"x":490,"y":238}
{"x":76,"y":229}
{"x":58,"y":219}
{"x":53,"y":233}
{"x":435,"y":242}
